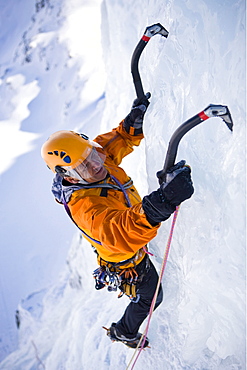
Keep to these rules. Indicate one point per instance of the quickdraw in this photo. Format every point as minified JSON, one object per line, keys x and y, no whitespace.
{"x":113,"y":279}
{"x":105,"y":277}
{"x":114,"y":276}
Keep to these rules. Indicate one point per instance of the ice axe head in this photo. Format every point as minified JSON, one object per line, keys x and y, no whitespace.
{"x":221,"y":111}
{"x":156,"y":29}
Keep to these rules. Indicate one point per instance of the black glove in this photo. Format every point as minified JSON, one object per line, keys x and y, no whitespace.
{"x":160,"y":204}
{"x":178,"y":185}
{"x":136,"y":115}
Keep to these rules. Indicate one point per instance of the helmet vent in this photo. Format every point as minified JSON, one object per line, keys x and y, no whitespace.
{"x":84,"y":136}
{"x":66,"y":158}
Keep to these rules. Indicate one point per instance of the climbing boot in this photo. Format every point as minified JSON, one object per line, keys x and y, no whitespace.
{"x":114,"y":334}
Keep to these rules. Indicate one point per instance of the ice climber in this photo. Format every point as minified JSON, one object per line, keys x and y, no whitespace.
{"x":102,"y":201}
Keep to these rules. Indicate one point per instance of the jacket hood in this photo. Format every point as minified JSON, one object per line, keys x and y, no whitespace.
{"x":63,"y":192}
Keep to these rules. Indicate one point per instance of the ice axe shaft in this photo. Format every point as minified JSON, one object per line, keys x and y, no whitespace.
{"x":155,"y":29}
{"x":212,"y":110}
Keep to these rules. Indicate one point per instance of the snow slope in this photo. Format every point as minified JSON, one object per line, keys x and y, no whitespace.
{"x":201,"y":324}
{"x":42,"y":89}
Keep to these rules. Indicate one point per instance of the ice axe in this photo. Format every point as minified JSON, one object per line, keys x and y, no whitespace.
{"x":155,"y":29}
{"x":212,"y":110}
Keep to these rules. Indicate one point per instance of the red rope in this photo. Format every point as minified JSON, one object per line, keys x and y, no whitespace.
{"x":144,"y":335}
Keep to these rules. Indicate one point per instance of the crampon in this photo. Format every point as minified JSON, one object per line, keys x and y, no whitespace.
{"x":116,"y":336}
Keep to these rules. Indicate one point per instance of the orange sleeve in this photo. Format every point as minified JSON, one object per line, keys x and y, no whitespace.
{"x":118,"y":143}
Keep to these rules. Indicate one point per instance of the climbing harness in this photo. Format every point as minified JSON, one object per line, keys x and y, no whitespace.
{"x":118,"y":276}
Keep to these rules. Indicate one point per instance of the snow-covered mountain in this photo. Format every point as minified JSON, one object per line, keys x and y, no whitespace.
{"x":66,"y":65}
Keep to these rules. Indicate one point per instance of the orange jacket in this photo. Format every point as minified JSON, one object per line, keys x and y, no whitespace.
{"x":119,"y":231}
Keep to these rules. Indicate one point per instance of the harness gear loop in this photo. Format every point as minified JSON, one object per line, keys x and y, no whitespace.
{"x":129,"y":273}
{"x":130,"y":278}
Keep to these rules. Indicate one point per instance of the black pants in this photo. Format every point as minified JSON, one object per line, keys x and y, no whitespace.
{"x":137,"y":310}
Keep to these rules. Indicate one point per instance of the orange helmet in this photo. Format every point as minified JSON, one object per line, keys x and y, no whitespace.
{"x":66,"y":148}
